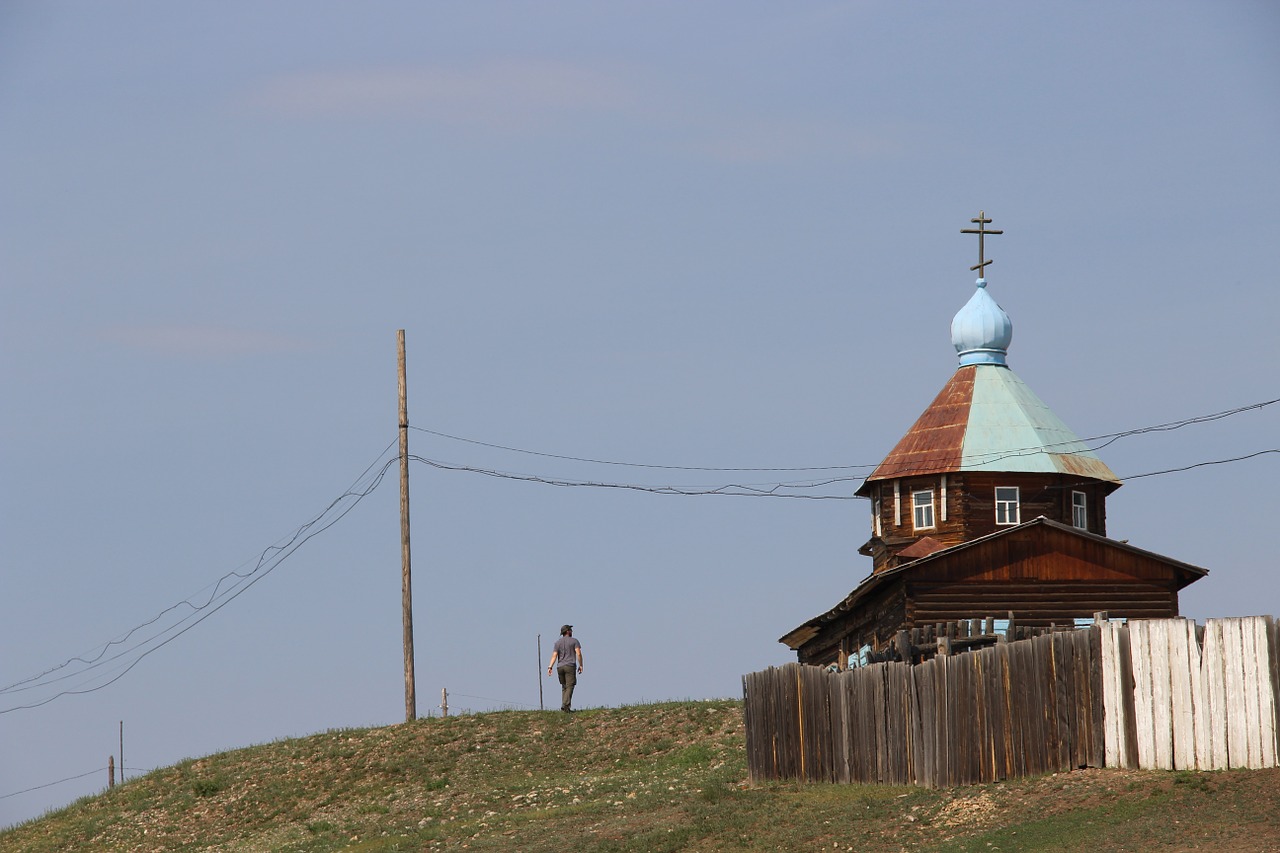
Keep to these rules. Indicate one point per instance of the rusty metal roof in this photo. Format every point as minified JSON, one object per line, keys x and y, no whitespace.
{"x":987,"y":419}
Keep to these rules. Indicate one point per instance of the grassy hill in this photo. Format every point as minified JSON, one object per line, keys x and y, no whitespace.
{"x":663,"y":777}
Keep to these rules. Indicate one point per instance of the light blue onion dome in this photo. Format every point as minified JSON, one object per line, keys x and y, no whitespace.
{"x":981,"y":331}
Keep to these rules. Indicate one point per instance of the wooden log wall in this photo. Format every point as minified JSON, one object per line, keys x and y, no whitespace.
{"x":1152,"y":694}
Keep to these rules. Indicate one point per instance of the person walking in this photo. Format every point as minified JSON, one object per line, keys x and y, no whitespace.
{"x":566,"y":660}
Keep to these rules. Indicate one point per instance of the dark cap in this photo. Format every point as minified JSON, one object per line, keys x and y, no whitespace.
{"x":564,"y":629}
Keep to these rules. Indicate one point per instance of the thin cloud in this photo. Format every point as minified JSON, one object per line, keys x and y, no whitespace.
{"x":498,"y":95}
{"x":522,"y":96}
{"x":200,"y":341}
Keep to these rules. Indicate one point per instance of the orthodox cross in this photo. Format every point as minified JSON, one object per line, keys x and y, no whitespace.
{"x":982,"y":232}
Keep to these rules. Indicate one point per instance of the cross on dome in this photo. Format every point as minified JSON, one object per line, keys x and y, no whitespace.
{"x":981,"y":331}
{"x":982,"y":232}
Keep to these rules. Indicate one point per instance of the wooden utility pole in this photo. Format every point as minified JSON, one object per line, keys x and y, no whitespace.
{"x":406,"y":583}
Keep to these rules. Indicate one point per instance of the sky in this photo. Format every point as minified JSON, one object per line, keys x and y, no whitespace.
{"x":686,"y":237}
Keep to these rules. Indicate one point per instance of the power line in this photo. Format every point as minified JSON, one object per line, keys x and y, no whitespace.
{"x":1070,"y":446}
{"x":51,"y":784}
{"x":750,"y":491}
{"x":270,"y":558}
{"x":1204,"y":464}
{"x":731,"y":490}
{"x":626,"y":464}
{"x":488,"y":699}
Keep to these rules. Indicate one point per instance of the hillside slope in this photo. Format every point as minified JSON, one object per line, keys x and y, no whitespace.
{"x":663,"y":777}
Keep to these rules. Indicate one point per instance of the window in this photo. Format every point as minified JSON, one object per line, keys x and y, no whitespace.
{"x":1079,"y":510}
{"x":875,"y":517}
{"x":922,"y":509}
{"x":1007,"y":510}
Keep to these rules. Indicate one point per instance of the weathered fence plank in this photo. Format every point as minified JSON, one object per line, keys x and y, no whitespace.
{"x":897,"y":680}
{"x":1200,"y":707}
{"x":1235,"y":707}
{"x":1161,"y":704}
{"x":1143,"y":692}
{"x":1181,"y":702}
{"x":1114,"y":708}
{"x":1254,"y":671}
{"x":1215,"y":680}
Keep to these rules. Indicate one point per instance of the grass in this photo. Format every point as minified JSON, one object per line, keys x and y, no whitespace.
{"x":651,"y":778}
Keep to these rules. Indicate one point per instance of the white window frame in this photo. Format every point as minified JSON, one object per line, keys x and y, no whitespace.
{"x":922,"y":513}
{"x":1080,"y":510}
{"x":875,"y":517}
{"x":1004,"y":504}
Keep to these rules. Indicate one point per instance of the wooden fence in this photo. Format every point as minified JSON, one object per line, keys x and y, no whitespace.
{"x":1146,"y":694}
{"x":1201,"y":697}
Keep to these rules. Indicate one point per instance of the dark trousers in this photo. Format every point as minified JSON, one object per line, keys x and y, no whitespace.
{"x":568,"y":679}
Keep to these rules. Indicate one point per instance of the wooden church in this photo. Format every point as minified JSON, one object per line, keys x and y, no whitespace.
{"x":989,"y":505}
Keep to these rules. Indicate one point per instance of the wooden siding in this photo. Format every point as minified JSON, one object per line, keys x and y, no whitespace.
{"x":1038,"y":604}
{"x":1043,"y":574}
{"x":971,"y":509}
{"x":874,"y":621}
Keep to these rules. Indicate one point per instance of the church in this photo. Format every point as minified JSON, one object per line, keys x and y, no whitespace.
{"x":989,"y":505}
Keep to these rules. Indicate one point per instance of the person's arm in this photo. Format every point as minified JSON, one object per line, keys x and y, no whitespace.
{"x":555,"y":654}
{"x":579,"y":651}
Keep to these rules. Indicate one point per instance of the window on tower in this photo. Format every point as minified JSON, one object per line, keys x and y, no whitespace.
{"x":1079,"y":510}
{"x":922,"y":509}
{"x":1007,"y":505}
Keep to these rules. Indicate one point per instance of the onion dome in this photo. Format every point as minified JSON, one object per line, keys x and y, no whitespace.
{"x":981,"y":331}
{"x":986,"y":419}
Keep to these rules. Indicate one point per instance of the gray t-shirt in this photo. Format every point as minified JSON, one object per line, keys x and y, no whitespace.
{"x":566,"y":649}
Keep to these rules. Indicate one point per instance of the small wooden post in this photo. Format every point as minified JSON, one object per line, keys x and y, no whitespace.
{"x":111,"y":771}
{"x":444,"y":702}
{"x":903,"y":641}
{"x":944,"y":646}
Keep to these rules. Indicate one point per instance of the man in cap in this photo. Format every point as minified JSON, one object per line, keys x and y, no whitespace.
{"x":568,"y":652}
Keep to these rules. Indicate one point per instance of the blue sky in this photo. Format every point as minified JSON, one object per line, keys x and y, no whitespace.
{"x":715,"y":235}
